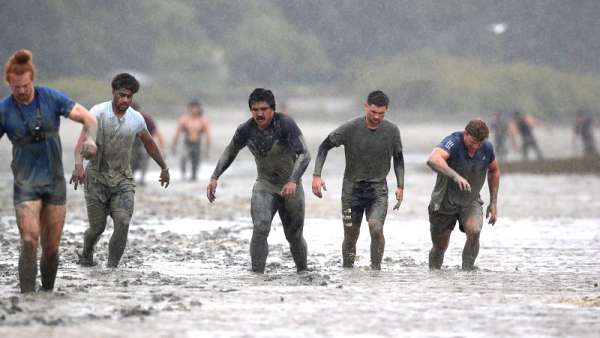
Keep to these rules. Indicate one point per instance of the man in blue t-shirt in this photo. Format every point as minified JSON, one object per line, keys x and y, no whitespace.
{"x":462,"y":161}
{"x":30,"y":117}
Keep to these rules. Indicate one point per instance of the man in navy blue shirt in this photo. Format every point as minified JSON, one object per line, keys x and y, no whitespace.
{"x":462,"y":161}
{"x":30,"y":117}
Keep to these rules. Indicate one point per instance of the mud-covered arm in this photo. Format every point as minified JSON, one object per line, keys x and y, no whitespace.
{"x":152,"y":149}
{"x":438,"y":161}
{"x":398,"y":157}
{"x":324,"y":148}
{"x":227,"y":157}
{"x":494,"y":181}
{"x":302,"y":160}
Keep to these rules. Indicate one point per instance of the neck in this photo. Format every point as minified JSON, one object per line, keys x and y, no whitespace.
{"x":26,"y":102}
{"x":370,"y":125}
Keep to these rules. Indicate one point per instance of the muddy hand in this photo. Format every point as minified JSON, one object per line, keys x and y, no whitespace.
{"x":88,"y":149}
{"x":317,"y":184}
{"x":399,"y":198}
{"x":492,"y":214}
{"x":289,"y":190}
{"x":211,"y":190}
{"x":164,"y":177}
{"x":463,"y":184}
{"x":78,"y":176}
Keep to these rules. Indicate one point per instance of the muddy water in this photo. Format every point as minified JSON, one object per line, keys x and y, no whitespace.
{"x":185,"y":270}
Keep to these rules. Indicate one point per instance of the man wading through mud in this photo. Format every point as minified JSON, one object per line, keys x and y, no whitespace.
{"x":108,"y":180}
{"x":369,"y":143}
{"x":281,"y":158}
{"x":462,"y":161}
{"x":193,"y":125}
{"x":30,"y":117}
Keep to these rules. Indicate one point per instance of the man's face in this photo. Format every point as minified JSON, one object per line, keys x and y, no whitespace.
{"x":122,"y":99}
{"x":375,"y":114}
{"x":196,"y":110}
{"x":262,"y":114}
{"x":21,"y":87}
{"x":471,"y":142}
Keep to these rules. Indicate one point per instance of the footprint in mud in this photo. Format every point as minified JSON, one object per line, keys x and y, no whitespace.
{"x":136,"y":311}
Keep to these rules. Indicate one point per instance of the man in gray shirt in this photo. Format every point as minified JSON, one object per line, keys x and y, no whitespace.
{"x":369,"y":143}
{"x":281,"y":158}
{"x":108,"y":178}
{"x":462,"y":161}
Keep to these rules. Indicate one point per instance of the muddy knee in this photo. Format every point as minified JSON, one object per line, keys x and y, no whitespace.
{"x":376,"y":228}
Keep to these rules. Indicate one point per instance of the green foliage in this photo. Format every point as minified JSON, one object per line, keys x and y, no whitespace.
{"x":432,"y":81}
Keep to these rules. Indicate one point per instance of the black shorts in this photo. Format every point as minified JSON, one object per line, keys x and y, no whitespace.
{"x":53,"y":193}
{"x":441,"y":221}
{"x":370,"y":198}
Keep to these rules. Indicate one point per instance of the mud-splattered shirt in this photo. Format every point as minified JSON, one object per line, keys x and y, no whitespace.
{"x":368,"y":151}
{"x":447,"y":196}
{"x":279,"y":150}
{"x":35,"y":163}
{"x":112,"y":163}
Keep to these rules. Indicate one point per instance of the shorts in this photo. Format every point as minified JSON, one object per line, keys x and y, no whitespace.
{"x":53,"y":193}
{"x":441,"y":221}
{"x":361,"y":197}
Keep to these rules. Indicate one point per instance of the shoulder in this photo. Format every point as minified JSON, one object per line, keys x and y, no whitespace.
{"x":5,"y":103}
{"x":286,"y":121}
{"x":390,"y":126}
{"x":136,"y":115}
{"x":100,"y":109}
{"x":487,"y":147}
{"x":245,"y":127}
{"x":47,"y":93}
{"x":450,"y":142}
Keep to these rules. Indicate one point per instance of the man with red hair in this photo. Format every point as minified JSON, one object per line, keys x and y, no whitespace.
{"x":30,"y":117}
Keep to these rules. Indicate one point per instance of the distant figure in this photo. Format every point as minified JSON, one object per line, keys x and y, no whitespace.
{"x":193,"y":125}
{"x":584,"y":128}
{"x":139,"y":158}
{"x":500,"y":127}
{"x":523,"y":124}
{"x":462,"y":161}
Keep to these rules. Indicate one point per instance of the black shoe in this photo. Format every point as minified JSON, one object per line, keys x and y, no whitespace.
{"x":86,"y":261}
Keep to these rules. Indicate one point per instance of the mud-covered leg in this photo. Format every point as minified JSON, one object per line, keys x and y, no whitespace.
{"x":195,"y":159}
{"x":292,"y":218}
{"x":440,"y":236}
{"x":97,"y":211}
{"x":263,"y":208}
{"x":28,"y":221}
{"x":352,"y":219}
{"x":121,"y":209}
{"x":472,"y":229}
{"x":376,"y":214}
{"x":377,"y":243}
{"x":53,"y":220}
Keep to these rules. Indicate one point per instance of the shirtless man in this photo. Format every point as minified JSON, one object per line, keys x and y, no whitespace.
{"x":193,"y":125}
{"x":281,"y":158}
{"x":30,"y":117}
{"x":462,"y":161}
{"x":369,"y":143}
{"x":108,"y":180}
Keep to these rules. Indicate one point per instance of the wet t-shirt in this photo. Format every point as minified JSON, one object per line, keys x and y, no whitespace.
{"x":275,"y":148}
{"x":368,"y":151}
{"x":37,"y":163}
{"x":447,"y":196}
{"x":115,"y":143}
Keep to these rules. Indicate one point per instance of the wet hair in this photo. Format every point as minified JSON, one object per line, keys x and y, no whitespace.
{"x":478,"y":129}
{"x":261,"y":95}
{"x":19,"y":63}
{"x":125,"y":81}
{"x":194,"y":102}
{"x":378,"y":98}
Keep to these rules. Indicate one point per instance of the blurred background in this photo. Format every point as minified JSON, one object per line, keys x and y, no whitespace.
{"x":438,"y":58}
